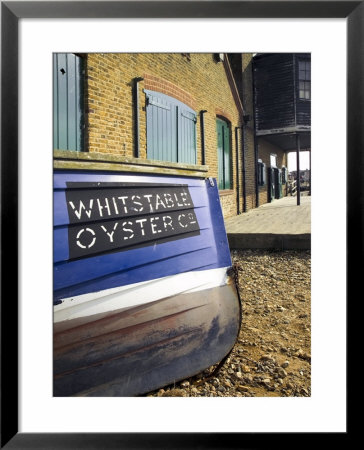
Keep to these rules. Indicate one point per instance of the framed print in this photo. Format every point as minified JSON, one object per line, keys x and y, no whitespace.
{"x":28,"y":31}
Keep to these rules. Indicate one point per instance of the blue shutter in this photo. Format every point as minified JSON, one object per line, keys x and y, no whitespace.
{"x":68,"y":100}
{"x":171,"y":129}
{"x":161,"y":128}
{"x":186,"y":136}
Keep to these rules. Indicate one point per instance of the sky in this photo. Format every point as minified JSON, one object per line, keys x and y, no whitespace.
{"x":304,"y":161}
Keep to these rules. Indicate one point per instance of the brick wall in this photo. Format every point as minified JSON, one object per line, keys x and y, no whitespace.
{"x":194,"y":79}
{"x":197,"y":80}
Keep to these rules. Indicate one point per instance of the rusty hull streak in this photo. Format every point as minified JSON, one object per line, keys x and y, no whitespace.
{"x":120,"y":331}
{"x":127,"y":338}
{"x":126,"y":354}
{"x":132,"y":316}
{"x":198,"y":331}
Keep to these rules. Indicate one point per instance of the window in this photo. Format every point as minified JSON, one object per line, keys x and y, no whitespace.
{"x":171,"y":129}
{"x":304,"y":79}
{"x":273,"y":160}
{"x":261,"y":173}
{"x":68,"y":108}
{"x":223,"y":154}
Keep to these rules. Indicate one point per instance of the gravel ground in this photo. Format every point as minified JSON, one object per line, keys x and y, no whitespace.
{"x":272,"y":357}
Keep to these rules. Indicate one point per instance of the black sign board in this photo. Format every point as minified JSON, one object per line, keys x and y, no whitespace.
{"x":107,"y":217}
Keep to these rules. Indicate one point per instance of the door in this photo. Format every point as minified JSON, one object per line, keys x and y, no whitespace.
{"x":271,"y":185}
{"x":277,"y":183}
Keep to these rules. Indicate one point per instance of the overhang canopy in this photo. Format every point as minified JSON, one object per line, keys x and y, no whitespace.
{"x":287,"y":141}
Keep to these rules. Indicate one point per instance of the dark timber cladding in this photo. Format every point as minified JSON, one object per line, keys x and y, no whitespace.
{"x":282,"y":101}
{"x":274,"y":91}
{"x":278,"y":103}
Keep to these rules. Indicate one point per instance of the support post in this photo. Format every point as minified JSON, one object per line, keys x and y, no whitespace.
{"x":309,"y":189}
{"x":298,"y":149}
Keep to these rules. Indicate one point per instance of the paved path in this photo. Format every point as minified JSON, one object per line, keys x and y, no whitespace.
{"x":277,"y":225}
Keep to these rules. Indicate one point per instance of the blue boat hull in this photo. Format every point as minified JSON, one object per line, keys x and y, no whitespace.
{"x":142,"y":295}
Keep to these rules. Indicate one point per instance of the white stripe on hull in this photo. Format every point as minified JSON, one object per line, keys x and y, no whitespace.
{"x":137,"y":294}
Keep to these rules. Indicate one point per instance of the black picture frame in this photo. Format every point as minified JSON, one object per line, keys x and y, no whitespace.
{"x":11,"y":12}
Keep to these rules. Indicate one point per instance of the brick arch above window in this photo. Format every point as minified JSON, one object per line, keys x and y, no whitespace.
{"x":223,"y":115}
{"x":158,"y":84}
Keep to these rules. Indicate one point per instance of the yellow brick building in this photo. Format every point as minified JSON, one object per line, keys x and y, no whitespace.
{"x":168,"y":113}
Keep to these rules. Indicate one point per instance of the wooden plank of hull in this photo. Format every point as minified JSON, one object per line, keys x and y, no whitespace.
{"x":134,"y":351}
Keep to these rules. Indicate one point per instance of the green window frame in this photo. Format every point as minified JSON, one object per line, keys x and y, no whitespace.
{"x":171,"y":129}
{"x":224,"y":155}
{"x":68,"y":102}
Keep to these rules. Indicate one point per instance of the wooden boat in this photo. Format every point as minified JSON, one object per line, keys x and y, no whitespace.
{"x":143,"y":295}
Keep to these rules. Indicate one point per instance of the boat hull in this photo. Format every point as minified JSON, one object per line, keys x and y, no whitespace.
{"x":142,"y":296}
{"x":137,"y":350}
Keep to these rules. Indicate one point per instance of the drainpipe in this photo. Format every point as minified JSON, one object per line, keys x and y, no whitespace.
{"x":256,"y":169}
{"x":203,"y":157}
{"x":237,"y":171}
{"x":136,"y":115}
{"x":243,"y":131}
{"x":246,"y":118}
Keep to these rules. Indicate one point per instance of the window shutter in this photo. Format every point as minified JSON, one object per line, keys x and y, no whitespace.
{"x":171,"y":129}
{"x":68,"y":100}
{"x":186,"y":136}
{"x":161,"y":128}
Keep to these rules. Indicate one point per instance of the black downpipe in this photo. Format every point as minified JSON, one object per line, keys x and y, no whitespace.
{"x":203,"y":154}
{"x":243,"y":132}
{"x":136,"y":115}
{"x":256,"y":169}
{"x":237,"y":171}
